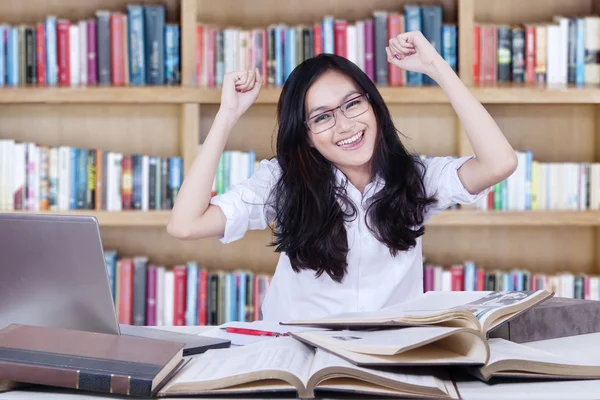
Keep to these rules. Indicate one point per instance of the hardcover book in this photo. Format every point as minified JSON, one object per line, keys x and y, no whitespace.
{"x":88,"y":361}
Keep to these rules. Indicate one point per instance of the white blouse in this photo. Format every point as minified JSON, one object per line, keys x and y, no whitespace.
{"x":374,"y":278}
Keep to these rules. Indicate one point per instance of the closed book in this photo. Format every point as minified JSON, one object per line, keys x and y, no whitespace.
{"x":87,"y":361}
{"x":558,"y":317}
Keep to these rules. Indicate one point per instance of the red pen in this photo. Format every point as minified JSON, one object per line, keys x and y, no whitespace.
{"x":254,"y":332}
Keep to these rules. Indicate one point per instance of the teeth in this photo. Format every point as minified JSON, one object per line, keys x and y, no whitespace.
{"x":350,"y":140}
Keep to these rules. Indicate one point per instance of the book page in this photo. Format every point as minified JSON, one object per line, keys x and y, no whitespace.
{"x":485,"y":306}
{"x":383,"y":342}
{"x":418,"y":377}
{"x":429,"y":303}
{"x":283,"y":354}
{"x":501,"y":349}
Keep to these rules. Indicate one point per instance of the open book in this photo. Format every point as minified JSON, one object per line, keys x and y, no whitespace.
{"x":431,"y":345}
{"x":514,"y":360}
{"x":483,"y":311}
{"x":286,"y":365}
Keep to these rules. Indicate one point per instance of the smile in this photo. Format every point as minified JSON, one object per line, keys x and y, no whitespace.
{"x":351,"y":140}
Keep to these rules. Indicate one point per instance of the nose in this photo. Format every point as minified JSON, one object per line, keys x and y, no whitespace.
{"x":342,"y":123}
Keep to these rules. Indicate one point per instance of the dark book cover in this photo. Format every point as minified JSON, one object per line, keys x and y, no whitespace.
{"x":154,"y":41}
{"x":152,"y":162}
{"x":30,"y":56}
{"x":518,"y":54}
{"x":87,"y":361}
{"x":136,"y":160}
{"x":380,"y":41}
{"x":572,"y":51}
{"x":504,"y":54}
{"x":103,"y":47}
{"x":165,"y":198}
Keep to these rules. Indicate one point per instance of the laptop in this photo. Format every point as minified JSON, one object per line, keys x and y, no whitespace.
{"x":53,"y":273}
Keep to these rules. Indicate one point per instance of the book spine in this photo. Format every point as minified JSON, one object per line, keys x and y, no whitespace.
{"x":432,"y":30}
{"x":86,"y":376}
{"x":172,"y":54}
{"x":394,"y":29}
{"x":529,"y":54}
{"x":137,"y":62}
{"x":412,"y":15}
{"x":369,"y":56}
{"x":151,"y":298}
{"x":117,"y":51}
{"x":518,"y":55}
{"x":202,"y":296}
{"x":125,"y":291}
{"x":380,"y":41}
{"x":40,"y":54}
{"x":103,"y":52}
{"x":30,"y":56}
{"x":139,"y":290}
{"x":154,"y":18}
{"x":127,"y":182}
{"x":476,"y":53}
{"x":179,"y":295}
{"x":504,"y":54}
{"x":83,"y":53}
{"x":92,"y":59}
{"x":63,"y":51}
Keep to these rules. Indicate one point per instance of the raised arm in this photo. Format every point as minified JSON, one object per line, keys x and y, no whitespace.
{"x":495,"y":158}
{"x":192,"y":216}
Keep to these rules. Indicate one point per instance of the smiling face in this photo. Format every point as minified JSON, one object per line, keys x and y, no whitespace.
{"x":349,"y":144}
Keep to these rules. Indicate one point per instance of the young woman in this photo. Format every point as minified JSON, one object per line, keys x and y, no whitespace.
{"x":347,"y":200}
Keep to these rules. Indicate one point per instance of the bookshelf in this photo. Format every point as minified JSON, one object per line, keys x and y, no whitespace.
{"x":558,"y":123}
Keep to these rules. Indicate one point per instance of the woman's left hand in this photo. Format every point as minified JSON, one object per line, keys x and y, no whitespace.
{"x":413,"y":52}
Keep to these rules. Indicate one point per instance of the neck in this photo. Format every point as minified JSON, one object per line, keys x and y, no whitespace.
{"x":358,"y":176}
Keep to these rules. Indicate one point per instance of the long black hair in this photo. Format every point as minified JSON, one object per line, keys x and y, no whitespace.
{"x":311,"y":207}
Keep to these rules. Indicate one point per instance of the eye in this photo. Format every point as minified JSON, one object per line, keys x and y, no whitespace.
{"x":321,"y":118}
{"x":353,"y":103}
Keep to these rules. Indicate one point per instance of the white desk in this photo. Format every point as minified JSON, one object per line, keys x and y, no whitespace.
{"x":583,"y":347}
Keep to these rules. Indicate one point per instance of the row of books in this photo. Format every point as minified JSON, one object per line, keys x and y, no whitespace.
{"x":559,"y":52}
{"x":134,"y":47}
{"x":539,"y":185}
{"x":278,"y":48}
{"x":470,"y":277}
{"x":56,"y":178}
{"x":145,"y":293}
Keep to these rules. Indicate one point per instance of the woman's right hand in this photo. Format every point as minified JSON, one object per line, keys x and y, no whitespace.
{"x":240,"y":89}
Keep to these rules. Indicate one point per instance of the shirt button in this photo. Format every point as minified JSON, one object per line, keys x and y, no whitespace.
{"x":365,"y":238}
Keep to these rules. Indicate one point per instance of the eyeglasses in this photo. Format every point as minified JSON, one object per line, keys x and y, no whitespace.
{"x":351,"y":109}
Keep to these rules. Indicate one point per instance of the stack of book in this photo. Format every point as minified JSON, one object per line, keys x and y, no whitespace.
{"x":411,"y":350}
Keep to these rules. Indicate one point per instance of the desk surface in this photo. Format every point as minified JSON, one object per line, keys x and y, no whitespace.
{"x":578,"y":347}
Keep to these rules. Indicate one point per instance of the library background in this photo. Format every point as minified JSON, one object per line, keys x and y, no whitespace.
{"x":104,"y":104}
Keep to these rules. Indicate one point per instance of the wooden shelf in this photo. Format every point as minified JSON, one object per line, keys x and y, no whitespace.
{"x":447,"y":218}
{"x":516,"y":218}
{"x":270,"y":95}
{"x":106,"y":95}
{"x":116,"y":218}
{"x":520,"y":94}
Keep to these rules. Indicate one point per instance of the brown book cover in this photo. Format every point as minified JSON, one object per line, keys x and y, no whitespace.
{"x":88,"y":361}
{"x":558,"y":317}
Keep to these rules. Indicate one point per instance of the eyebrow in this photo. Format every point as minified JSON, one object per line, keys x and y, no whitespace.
{"x":349,"y":94}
